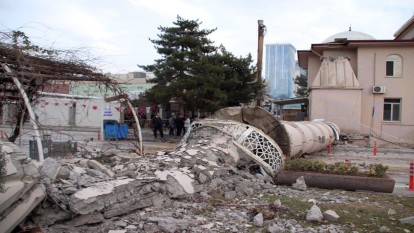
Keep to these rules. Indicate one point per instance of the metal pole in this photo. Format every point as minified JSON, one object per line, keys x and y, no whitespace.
{"x":31,"y":113}
{"x":261,"y":29}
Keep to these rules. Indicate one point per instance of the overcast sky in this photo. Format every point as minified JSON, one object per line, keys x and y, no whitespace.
{"x":118,"y":31}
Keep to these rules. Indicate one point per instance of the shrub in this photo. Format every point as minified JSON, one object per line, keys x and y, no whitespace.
{"x":339,"y":168}
{"x":377,"y":170}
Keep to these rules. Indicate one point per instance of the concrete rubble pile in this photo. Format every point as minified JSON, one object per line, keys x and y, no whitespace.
{"x":166,"y":192}
{"x":88,"y":192}
{"x":22,"y":190}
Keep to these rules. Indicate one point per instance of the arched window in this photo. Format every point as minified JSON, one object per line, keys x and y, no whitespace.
{"x":394,"y":66}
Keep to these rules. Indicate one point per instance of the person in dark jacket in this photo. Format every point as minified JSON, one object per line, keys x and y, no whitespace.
{"x":157,"y":125}
{"x":171,"y":125}
{"x":179,"y":123}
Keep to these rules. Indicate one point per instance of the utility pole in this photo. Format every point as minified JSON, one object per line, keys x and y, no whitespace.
{"x":261,"y":30}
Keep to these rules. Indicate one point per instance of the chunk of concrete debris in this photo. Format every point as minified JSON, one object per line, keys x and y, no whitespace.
{"x":87,"y":219}
{"x":276,"y":229}
{"x":169,"y":224}
{"x":391,"y":212}
{"x":407,"y":220}
{"x":177,"y":176}
{"x":314,"y":214}
{"x":384,"y":229}
{"x":100,"y":167}
{"x":258,"y":220}
{"x":277,"y":203}
{"x":63,"y":173}
{"x":208,"y":226}
{"x":331,"y":216}
{"x":50,"y":169}
{"x":300,"y":184}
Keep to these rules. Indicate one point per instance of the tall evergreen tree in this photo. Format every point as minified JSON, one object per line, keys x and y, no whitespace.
{"x":194,"y":71}
{"x":302,"y":82}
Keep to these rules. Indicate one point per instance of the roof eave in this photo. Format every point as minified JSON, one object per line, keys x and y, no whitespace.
{"x":399,"y":33}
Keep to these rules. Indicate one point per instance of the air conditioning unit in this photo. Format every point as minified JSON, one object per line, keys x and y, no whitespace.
{"x":378,"y":89}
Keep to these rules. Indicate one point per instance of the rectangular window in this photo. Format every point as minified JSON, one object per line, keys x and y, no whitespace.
{"x":392,"y":109}
{"x":390,"y":68}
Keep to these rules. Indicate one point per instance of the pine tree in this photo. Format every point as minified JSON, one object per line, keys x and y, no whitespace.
{"x":196,"y":73}
{"x":302,"y":82}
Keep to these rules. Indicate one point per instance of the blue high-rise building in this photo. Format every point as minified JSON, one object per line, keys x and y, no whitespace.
{"x":280,"y":70}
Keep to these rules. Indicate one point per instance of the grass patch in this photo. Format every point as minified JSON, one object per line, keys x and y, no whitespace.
{"x":367,"y":215}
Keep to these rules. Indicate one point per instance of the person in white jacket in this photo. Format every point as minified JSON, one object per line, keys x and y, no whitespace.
{"x":187,"y":123}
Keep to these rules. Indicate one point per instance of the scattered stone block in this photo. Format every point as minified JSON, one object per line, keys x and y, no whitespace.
{"x":384,"y":229}
{"x":331,"y":216}
{"x":63,"y":173}
{"x":300,"y":184}
{"x":391,"y":212}
{"x":277,"y":203}
{"x":407,"y":220}
{"x":276,"y":229}
{"x":50,"y":169}
{"x":258,"y":220}
{"x":314,"y":214}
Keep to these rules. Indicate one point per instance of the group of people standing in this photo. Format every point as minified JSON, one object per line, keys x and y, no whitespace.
{"x":177,"y":125}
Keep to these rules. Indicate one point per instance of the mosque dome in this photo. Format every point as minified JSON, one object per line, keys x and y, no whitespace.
{"x":349,"y":35}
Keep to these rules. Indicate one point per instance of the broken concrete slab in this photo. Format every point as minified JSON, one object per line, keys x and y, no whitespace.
{"x":13,"y":190}
{"x":22,"y":189}
{"x":100,"y":167}
{"x":22,"y":209}
{"x":97,"y":196}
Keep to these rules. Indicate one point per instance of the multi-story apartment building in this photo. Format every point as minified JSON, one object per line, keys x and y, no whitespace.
{"x":280,"y":70}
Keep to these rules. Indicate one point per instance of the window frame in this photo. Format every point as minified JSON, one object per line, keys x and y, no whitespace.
{"x":391,"y":103}
{"x":397,"y":66}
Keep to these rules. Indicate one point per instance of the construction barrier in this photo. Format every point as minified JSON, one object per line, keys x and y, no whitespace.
{"x":411,"y":185}
{"x":329,"y":147}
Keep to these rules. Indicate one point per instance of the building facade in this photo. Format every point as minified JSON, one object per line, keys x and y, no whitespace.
{"x":364,"y":85}
{"x":280,"y":70}
{"x":132,"y":83}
